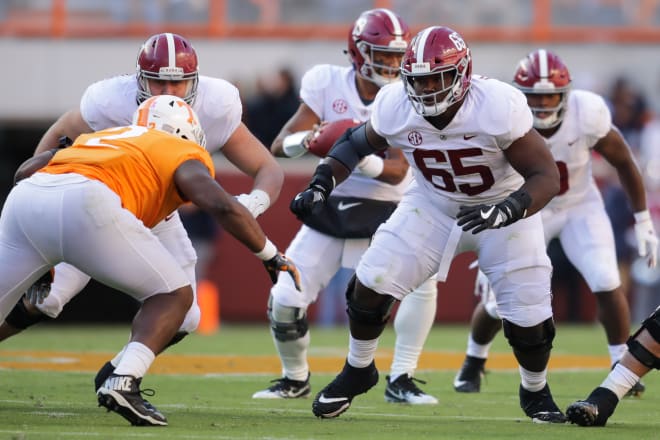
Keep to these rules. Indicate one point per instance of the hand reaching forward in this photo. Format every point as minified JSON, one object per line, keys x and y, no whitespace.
{"x":279,"y":263}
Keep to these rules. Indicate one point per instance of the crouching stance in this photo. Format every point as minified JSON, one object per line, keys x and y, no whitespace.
{"x":92,"y":206}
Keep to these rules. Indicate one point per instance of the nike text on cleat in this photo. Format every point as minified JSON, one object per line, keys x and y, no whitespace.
{"x":285,"y":388}
{"x":337,"y":396}
{"x":121,"y":394}
{"x":404,"y":390}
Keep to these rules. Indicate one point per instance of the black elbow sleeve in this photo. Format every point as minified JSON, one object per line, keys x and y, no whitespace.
{"x":351,"y":147}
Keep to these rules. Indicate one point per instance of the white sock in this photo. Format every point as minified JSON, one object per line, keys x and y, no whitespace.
{"x":115,"y":360}
{"x":361,"y":353}
{"x":532,"y":380}
{"x":616,"y":352}
{"x":412,"y":325}
{"x":620,"y":380}
{"x":136,"y":360}
{"x":477,"y":350}
{"x":293,"y":355}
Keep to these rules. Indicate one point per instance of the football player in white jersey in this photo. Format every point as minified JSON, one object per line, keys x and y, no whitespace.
{"x":574,"y":124}
{"x":337,"y":237}
{"x":166,"y":64}
{"x":481,"y":173}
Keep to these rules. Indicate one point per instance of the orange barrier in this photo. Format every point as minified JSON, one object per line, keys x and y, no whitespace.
{"x":208,"y":299}
{"x":59,"y":20}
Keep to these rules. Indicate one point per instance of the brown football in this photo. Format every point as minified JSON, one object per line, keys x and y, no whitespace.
{"x":325,"y":137}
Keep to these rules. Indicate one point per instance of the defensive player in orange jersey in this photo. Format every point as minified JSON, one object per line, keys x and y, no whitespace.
{"x":93,"y":205}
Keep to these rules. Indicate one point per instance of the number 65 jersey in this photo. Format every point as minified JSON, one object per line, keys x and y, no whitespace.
{"x":463,"y":163}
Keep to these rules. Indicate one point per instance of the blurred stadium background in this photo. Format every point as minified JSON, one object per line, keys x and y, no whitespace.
{"x":53,"y":49}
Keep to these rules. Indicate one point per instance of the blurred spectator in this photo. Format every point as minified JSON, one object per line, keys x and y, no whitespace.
{"x":275,"y":101}
{"x":646,"y":282}
{"x":629,"y":113}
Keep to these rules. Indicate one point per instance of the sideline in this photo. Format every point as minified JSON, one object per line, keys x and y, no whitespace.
{"x":232,"y":364}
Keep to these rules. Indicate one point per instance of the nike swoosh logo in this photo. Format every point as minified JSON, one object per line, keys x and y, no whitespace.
{"x":486,"y":214}
{"x":323,"y":399}
{"x":169,"y":217}
{"x":570,"y":144}
{"x":467,"y":137}
{"x":344,"y":206}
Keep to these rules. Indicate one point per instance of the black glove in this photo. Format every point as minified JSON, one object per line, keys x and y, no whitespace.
{"x":317,"y":192}
{"x":279,"y":263}
{"x":40,"y":289}
{"x":481,"y":217}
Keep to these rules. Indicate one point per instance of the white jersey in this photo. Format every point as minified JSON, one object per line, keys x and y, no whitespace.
{"x":330,"y":91}
{"x":587,"y":120}
{"x":464,"y":163}
{"x":111,"y":103}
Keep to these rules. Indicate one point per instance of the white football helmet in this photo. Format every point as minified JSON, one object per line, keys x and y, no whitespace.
{"x":172,"y":115}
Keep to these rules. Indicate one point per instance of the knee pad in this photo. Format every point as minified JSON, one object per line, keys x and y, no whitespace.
{"x":530,"y":340}
{"x":21,"y":318}
{"x":637,"y":350}
{"x":366,"y":315}
{"x":287,"y":323}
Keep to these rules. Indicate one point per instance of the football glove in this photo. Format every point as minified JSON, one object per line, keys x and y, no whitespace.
{"x":40,"y":289}
{"x":279,"y":263}
{"x":308,"y":201}
{"x":256,"y":202}
{"x":647,"y":240}
{"x":480,"y":217}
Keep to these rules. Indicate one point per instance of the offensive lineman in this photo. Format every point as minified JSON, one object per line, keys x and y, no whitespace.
{"x":479,"y":167}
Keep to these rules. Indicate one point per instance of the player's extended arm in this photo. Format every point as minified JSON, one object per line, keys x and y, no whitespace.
{"x":194,"y":183}
{"x":250,"y":156}
{"x":617,"y":153}
{"x":344,"y":156}
{"x":70,"y":124}
{"x":292,"y":134}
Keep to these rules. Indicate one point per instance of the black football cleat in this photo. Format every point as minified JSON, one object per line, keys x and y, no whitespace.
{"x":595,"y":410}
{"x":121,"y":394}
{"x":337,"y":396}
{"x":540,"y":406}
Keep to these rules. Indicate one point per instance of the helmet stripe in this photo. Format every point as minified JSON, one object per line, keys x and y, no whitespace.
{"x":421,"y":43}
{"x":171,"y":50}
{"x":398,"y":31}
{"x":543,"y":64}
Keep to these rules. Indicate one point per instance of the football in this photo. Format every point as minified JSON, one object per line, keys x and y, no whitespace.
{"x":324,"y":138}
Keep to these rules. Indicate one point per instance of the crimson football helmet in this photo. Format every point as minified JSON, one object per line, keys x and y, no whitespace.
{"x":442,"y":53}
{"x":172,"y":115}
{"x":543,"y":72}
{"x":167,"y":57}
{"x":377,"y":30}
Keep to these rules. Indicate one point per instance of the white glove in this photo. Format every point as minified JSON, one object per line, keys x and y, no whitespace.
{"x":295,"y":144}
{"x":256,"y":202}
{"x":647,"y":240}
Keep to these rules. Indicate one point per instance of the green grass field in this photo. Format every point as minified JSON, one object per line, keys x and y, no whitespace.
{"x":36,"y":403}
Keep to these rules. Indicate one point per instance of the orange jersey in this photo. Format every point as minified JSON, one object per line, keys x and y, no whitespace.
{"x":137,"y":163}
